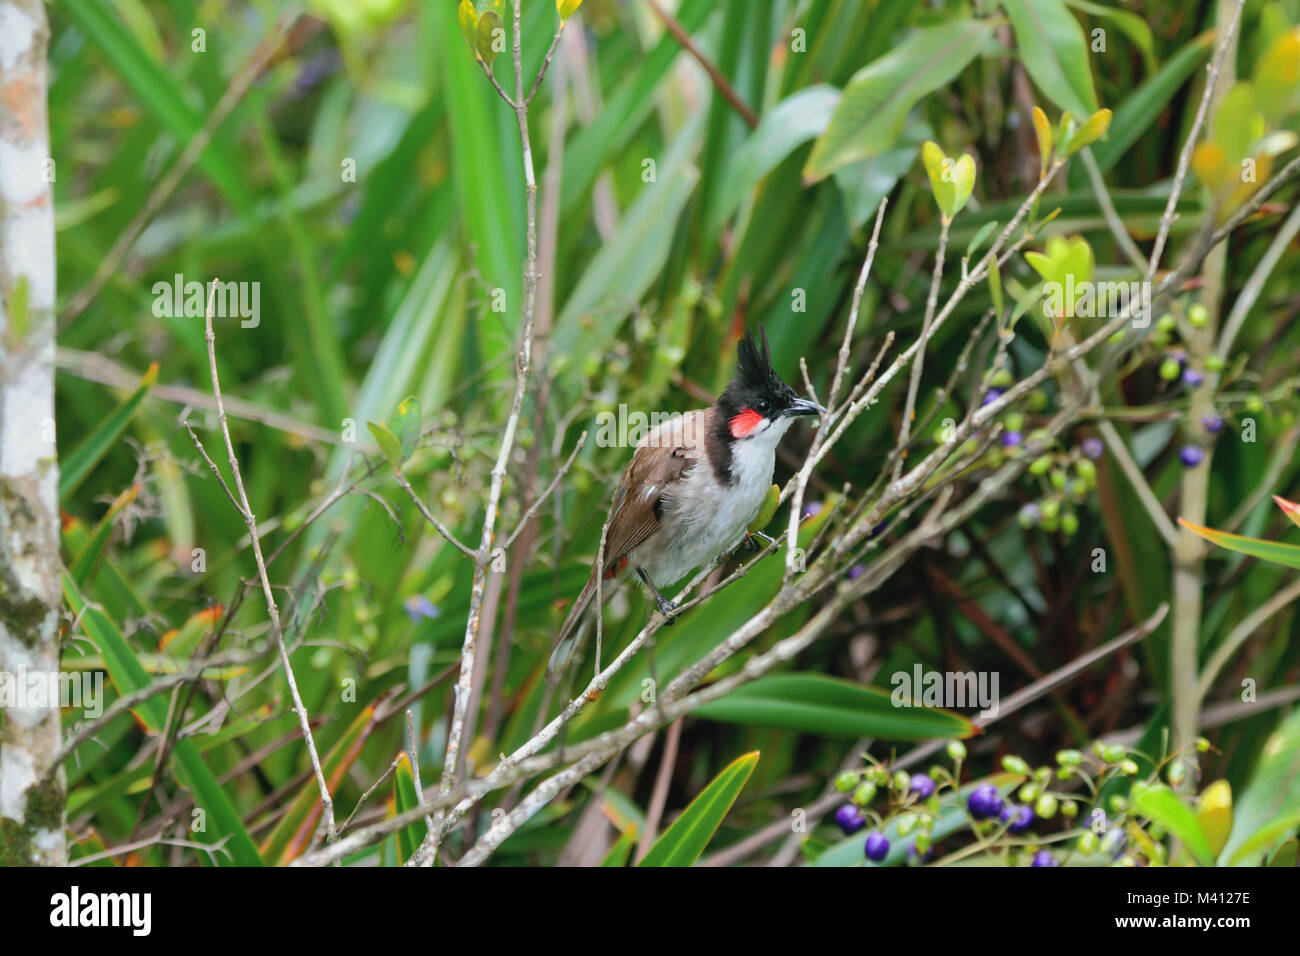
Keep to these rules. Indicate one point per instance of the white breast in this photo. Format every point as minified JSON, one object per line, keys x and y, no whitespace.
{"x":705,"y":518}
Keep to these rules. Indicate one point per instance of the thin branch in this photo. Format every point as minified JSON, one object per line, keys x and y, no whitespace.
{"x":720,"y":82}
{"x":1189,"y":146}
{"x":246,"y":511}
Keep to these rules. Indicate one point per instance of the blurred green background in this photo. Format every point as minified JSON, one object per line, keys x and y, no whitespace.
{"x":668,"y":226}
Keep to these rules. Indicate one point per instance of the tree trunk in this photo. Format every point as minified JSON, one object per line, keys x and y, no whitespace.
{"x":31,"y":789}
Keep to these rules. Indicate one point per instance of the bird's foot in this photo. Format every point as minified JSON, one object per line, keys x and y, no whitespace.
{"x":752,"y":541}
{"x":668,"y":609}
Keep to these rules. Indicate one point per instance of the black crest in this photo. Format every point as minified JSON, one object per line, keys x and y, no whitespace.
{"x":754,"y":372}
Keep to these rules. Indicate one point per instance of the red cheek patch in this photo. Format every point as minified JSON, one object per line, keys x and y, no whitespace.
{"x":744,"y":423}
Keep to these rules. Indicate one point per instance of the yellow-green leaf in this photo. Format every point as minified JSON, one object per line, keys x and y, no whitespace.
{"x":567,"y":8}
{"x":388,"y":443}
{"x":1215,"y":814}
{"x":1043,"y":130}
{"x":1091,"y":131}
{"x":490,"y":39}
{"x":683,"y":842}
{"x":767,"y":510}
{"x":468,"y":18}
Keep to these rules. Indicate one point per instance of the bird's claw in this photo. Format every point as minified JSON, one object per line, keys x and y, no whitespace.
{"x":667,"y":609}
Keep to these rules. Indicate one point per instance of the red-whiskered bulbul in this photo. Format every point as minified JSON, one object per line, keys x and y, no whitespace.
{"x":694,"y":485}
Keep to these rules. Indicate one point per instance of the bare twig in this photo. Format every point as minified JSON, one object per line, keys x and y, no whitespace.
{"x":246,"y":511}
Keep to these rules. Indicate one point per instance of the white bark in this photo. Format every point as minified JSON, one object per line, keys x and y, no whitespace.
{"x":31,"y":796}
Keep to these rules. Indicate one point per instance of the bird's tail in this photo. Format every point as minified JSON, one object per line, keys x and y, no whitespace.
{"x":570,"y":631}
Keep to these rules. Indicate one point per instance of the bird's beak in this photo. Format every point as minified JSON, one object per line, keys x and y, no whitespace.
{"x":802,"y":406}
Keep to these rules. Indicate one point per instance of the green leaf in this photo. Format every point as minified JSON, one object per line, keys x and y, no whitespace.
{"x":87,"y":559}
{"x":128,"y":676}
{"x":1054,"y":51}
{"x":1287,"y":555}
{"x":1144,"y":107}
{"x":411,"y":836}
{"x":1130,"y":24}
{"x":1161,"y":805}
{"x":388,"y":443}
{"x":156,"y":89}
{"x":621,"y":851}
{"x":467,"y":17}
{"x":490,"y":36}
{"x":1093,"y":129}
{"x":816,"y":704}
{"x":293,"y":834}
{"x":405,"y":425}
{"x":1267,"y":809}
{"x":1286,"y":855}
{"x":78,"y":463}
{"x":876,"y":102}
{"x":683,"y":842}
{"x":783,"y":129}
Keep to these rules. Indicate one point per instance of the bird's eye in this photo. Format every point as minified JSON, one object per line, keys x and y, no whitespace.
{"x":761,"y":406}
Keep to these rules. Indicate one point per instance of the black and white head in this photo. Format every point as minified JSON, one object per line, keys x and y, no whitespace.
{"x":757,"y":406}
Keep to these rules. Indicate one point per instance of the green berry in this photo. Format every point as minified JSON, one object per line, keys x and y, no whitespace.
{"x":1170,"y":369}
{"x":1013,"y":764}
{"x":1198,"y":315}
{"x":1202,"y":745}
{"x":1088,"y":843}
{"x":864,"y":794}
{"x":902,"y":781}
{"x":956,"y":750}
{"x":846,"y":781}
{"x":1114,"y":753}
{"x":1069,"y":809}
{"x":1213,"y":363}
{"x":1166,"y":323}
{"x":1045,"y":806}
{"x":1029,"y":793}
{"x":1057,"y":479}
{"x":1069,"y":758}
{"x":1040,"y":465}
{"x":1050,"y":508}
{"x":1087,"y":471}
{"x":1069,"y":524}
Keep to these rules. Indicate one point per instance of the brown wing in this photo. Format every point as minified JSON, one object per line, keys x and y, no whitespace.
{"x":640,"y":498}
{"x":647,"y":486}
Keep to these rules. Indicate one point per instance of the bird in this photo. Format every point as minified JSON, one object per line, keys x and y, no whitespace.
{"x":694,"y":485}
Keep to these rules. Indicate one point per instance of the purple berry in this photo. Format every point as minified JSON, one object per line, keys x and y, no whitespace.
{"x":857,"y":571}
{"x":984,"y":802}
{"x":1044,"y":858}
{"x":850,"y":818}
{"x":1191,"y":455}
{"x":922,"y":786}
{"x":1020,"y":818}
{"x":1192,"y":378}
{"x":992,"y":395}
{"x":877,"y":847}
{"x":1012,"y":439}
{"x":812,"y":508}
{"x":1093,"y":448}
{"x":1212,"y":423}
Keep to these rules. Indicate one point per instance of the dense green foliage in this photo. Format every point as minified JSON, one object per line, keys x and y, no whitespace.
{"x":370,"y":182}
